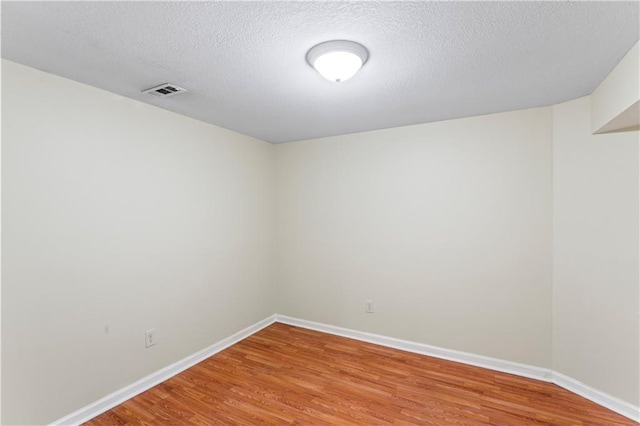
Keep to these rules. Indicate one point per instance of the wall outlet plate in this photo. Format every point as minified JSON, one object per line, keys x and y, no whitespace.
{"x":150,"y":338}
{"x":368,"y":306}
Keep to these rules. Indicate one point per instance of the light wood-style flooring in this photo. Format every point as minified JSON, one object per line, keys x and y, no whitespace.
{"x":288,"y":375}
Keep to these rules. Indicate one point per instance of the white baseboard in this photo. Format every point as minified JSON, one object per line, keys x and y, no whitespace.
{"x":611,"y":402}
{"x":118,"y":397}
{"x":524,"y":370}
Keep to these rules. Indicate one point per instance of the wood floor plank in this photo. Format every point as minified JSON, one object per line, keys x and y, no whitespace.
{"x":285,"y":375}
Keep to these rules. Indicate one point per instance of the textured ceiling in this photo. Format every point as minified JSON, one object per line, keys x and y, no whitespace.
{"x":244,"y":62}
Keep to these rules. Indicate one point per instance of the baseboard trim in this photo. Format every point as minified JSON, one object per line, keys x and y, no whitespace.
{"x":495,"y":364}
{"x":118,"y":397}
{"x":621,"y":407}
{"x":601,"y":398}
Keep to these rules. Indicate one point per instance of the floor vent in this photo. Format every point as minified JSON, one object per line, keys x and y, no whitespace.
{"x":164,"y":90}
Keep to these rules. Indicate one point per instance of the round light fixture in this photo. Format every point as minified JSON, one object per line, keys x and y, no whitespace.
{"x":337,"y":60}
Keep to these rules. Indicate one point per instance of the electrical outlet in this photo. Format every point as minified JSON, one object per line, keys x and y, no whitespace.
{"x":150,"y":338}
{"x":368,"y":306}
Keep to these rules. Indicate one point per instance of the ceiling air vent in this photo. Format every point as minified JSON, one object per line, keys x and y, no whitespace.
{"x":164,"y":90}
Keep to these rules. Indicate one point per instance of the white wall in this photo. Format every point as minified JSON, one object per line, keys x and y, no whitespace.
{"x":445,"y":226}
{"x":120,"y":217}
{"x":615,"y":104}
{"x":596,"y":262}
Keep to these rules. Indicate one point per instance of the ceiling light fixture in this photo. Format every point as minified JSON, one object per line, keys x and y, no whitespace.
{"x":337,"y":60}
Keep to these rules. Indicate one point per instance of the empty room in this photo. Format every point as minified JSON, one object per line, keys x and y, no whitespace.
{"x":320,"y":213}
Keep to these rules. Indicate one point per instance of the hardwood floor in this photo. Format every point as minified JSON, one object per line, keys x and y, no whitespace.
{"x":290,"y":375}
